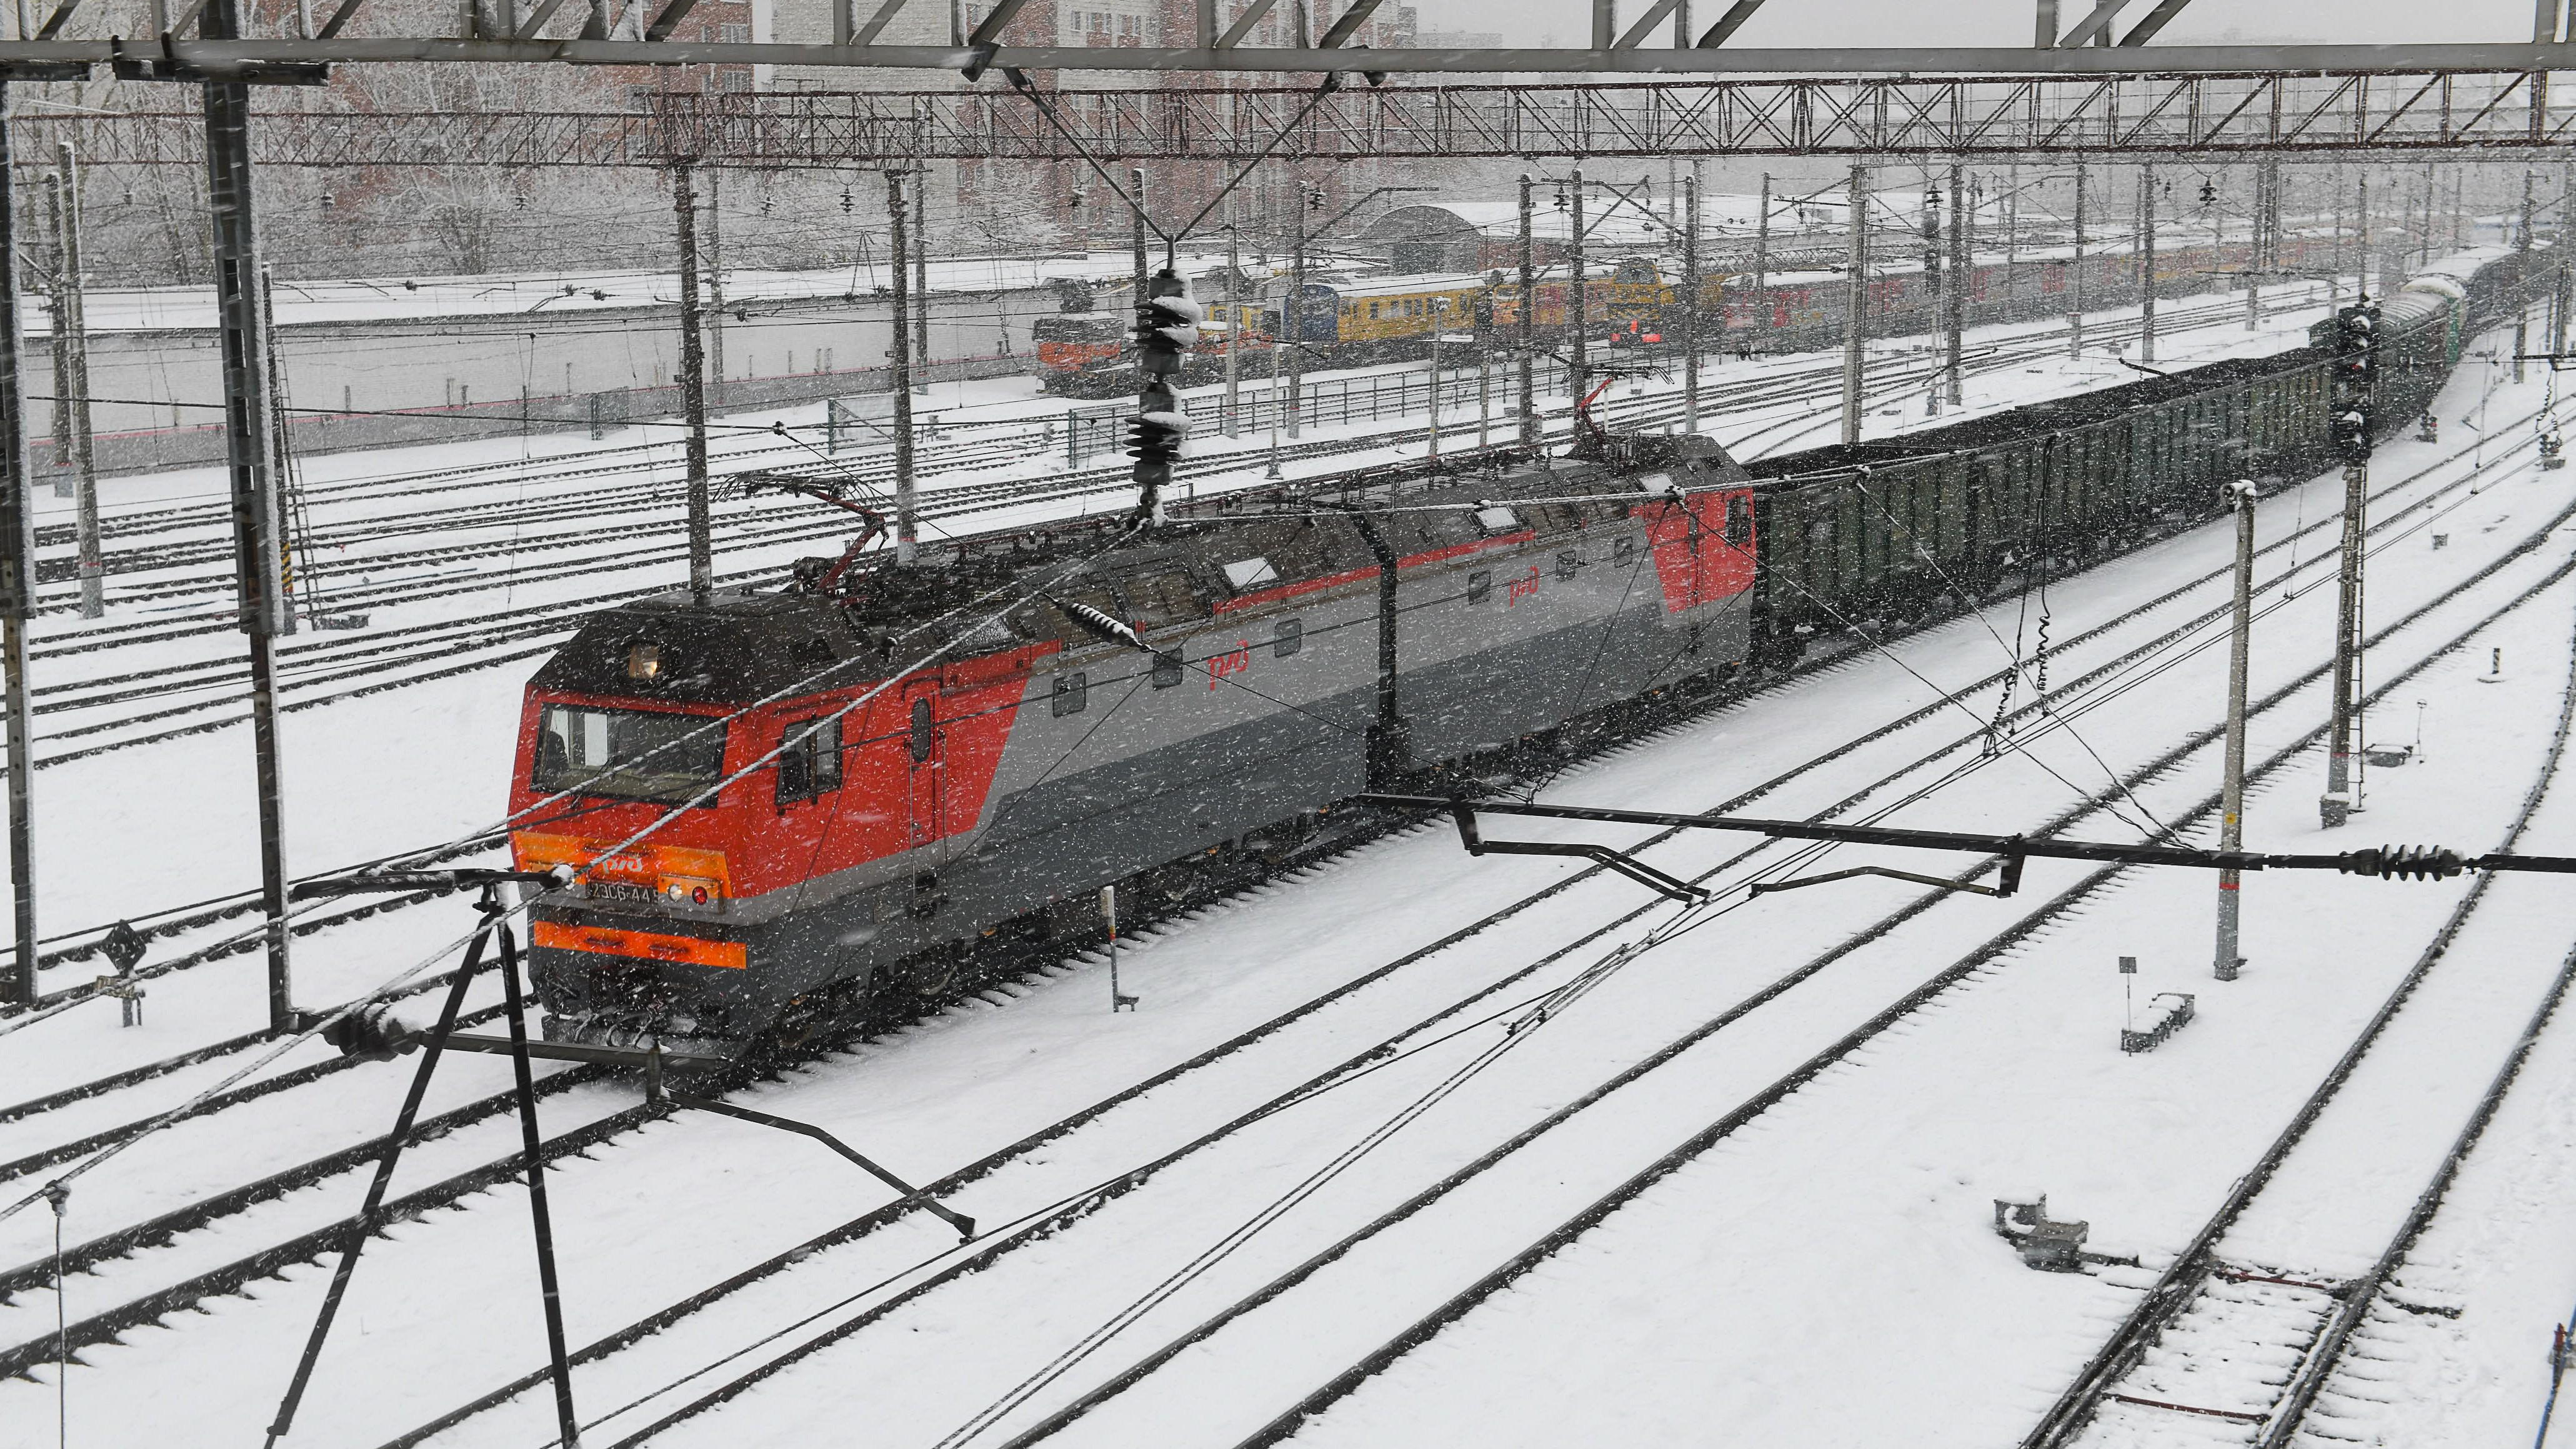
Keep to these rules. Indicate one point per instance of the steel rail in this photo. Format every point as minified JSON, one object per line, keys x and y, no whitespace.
{"x":1685,"y":715}
{"x":1687,"y":1151}
{"x":1128,"y":1181}
{"x":2181,"y":1281}
{"x":1125,"y":1183}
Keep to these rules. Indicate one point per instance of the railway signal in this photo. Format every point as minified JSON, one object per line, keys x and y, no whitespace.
{"x":2355,"y":382}
{"x":1167,"y":322}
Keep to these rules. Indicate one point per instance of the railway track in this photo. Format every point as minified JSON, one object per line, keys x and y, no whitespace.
{"x":2250,"y":1321}
{"x":214,"y":552}
{"x":429,"y":651}
{"x":900,"y":1292}
{"x":1954,"y":747}
{"x":242,"y":1271}
{"x":2384,"y":498}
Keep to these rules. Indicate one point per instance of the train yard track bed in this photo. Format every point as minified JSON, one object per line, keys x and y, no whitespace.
{"x":656,"y":1212}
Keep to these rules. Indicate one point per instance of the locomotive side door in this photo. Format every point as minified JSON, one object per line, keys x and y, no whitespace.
{"x":925,"y":793}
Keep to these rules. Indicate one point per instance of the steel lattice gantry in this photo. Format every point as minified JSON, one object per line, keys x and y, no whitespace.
{"x":1860,"y":117}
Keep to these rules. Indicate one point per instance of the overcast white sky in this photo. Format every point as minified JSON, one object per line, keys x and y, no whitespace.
{"x":2006,"y":22}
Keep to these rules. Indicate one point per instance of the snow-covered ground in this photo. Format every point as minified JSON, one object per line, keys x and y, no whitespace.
{"x":1802,"y":1286}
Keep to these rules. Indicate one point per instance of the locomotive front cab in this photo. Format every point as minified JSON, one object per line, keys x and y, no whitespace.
{"x":650,"y":762}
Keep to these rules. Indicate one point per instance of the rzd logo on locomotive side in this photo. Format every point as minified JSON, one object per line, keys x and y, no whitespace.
{"x":1521,"y":588}
{"x":1237,"y":662}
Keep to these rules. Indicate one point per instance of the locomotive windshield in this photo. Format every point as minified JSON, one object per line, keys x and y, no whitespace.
{"x":632,"y":754}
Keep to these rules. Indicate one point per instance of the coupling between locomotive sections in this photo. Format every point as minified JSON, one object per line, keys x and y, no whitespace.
{"x":662,"y":1320}
{"x":1063,"y":1211}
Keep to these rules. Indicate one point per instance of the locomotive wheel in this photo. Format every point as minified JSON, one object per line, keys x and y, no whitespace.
{"x":934,"y":974}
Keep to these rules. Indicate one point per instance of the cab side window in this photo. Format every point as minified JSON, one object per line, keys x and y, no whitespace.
{"x":810,"y":765}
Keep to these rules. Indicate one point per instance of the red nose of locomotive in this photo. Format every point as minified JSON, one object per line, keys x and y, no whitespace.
{"x":650,"y":760}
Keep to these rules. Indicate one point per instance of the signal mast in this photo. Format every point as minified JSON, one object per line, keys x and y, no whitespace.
{"x":2355,"y":383}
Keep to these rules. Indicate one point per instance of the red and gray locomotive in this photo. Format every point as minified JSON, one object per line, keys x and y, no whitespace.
{"x":1192,"y":698}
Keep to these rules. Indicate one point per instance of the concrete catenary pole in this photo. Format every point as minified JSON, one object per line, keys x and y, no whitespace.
{"x":921,"y":276}
{"x":93,"y":559}
{"x":1439,"y":320}
{"x":1292,"y":313}
{"x":2522,"y":243}
{"x":2146,"y":264}
{"x":693,"y":387}
{"x":1233,"y":328}
{"x":1528,"y":319}
{"x":1690,"y":303}
{"x":1956,"y":323}
{"x":2075,"y":279}
{"x":907,"y":518}
{"x":1855,"y":300}
{"x":58,"y":346}
{"x":1578,"y":290}
{"x":2231,"y":807}
{"x":715,"y":315}
{"x":259,"y":513}
{"x":1936,"y":275}
{"x":17,"y":594}
{"x":2337,"y":803}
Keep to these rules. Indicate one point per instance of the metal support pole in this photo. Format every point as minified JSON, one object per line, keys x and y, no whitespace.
{"x":2231,"y":808}
{"x":2075,"y":279}
{"x":1956,"y":323}
{"x":1292,"y":319}
{"x":921,"y":275}
{"x":1233,"y":330}
{"x":370,"y":1210}
{"x":2146,"y":264}
{"x":715,"y":322}
{"x":1855,"y":299}
{"x":693,"y":389}
{"x":2337,"y":804}
{"x":259,"y":515}
{"x":1485,"y":380}
{"x":1439,"y":314}
{"x":1936,"y":275}
{"x":907,"y":522}
{"x":58,"y":358}
{"x":1690,"y":303}
{"x":1578,"y":293}
{"x":1762,"y":239}
{"x":2522,"y":244}
{"x":1528,"y":320}
{"x":93,"y":559}
{"x":2255,"y":265}
{"x":567,"y":1423}
{"x":17,"y":592}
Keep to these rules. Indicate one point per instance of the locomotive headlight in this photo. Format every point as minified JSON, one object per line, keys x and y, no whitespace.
{"x":644,"y":661}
